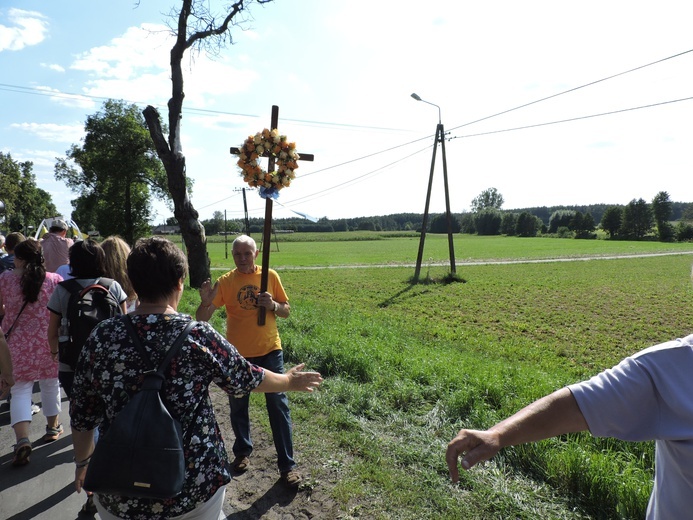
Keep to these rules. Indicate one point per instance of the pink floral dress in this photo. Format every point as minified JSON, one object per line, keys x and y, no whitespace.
{"x":28,"y":341}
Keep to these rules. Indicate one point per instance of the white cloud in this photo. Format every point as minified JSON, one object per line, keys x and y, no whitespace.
{"x":139,"y":49}
{"x":52,"y":132}
{"x":53,"y":66}
{"x":26,"y":28}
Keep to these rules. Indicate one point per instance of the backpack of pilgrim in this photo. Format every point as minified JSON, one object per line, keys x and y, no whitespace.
{"x":86,"y":307}
{"x":142,"y":452}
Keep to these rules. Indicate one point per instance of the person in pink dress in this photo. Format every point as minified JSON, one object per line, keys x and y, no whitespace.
{"x":24,"y":294}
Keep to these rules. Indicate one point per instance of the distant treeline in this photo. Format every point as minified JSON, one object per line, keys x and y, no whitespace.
{"x":413,"y":221}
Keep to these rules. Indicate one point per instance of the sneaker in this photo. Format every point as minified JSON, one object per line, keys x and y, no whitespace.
{"x":240,"y":464}
{"x":35,"y":409}
{"x":52,"y":434}
{"x":291,"y":478}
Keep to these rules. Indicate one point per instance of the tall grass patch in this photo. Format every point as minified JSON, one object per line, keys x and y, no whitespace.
{"x":407,"y":366}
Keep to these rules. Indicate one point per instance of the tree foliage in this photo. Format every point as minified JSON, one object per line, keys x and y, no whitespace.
{"x":637,"y":219}
{"x":488,"y":222}
{"x":561,"y":218}
{"x":25,"y":204}
{"x":116,"y":173}
{"x":197,"y":27}
{"x":487,"y":199}
{"x":611,"y":220}
{"x":661,"y":211}
{"x":439,"y":224}
{"x":527,"y":225}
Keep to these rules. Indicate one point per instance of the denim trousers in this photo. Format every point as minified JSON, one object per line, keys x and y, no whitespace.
{"x":279,"y":417}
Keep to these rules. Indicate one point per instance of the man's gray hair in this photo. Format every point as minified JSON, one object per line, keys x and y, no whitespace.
{"x":244,"y":239}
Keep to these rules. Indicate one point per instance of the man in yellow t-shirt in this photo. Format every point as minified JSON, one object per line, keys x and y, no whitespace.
{"x":238,"y":291}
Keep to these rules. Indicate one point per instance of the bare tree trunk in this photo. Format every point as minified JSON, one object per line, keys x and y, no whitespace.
{"x":204,"y":29}
{"x":193,"y":232}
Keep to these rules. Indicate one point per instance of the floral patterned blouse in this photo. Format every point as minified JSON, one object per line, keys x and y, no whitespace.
{"x":109,"y":372}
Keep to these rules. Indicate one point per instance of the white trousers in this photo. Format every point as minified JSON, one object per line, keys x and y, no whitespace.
{"x":210,"y":510}
{"x":20,"y":404}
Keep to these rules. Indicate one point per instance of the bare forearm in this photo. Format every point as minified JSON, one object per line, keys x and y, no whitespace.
{"x":204,"y":312}
{"x":83,"y":442}
{"x":555,"y":414}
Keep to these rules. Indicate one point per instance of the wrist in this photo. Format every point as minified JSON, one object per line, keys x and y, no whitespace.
{"x":82,"y":463}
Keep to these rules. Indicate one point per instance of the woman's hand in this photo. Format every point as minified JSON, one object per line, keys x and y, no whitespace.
{"x":302,"y":381}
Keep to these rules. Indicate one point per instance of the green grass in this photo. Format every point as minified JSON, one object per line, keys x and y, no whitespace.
{"x":406,"y":366}
{"x":374,"y":248}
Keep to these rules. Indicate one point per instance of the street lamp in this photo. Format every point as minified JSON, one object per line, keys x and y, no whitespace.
{"x":418,"y":98}
{"x":440,"y":138}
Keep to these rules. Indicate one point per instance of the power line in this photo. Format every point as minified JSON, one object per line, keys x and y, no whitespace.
{"x":574,"y":89}
{"x":573,"y":118}
{"x":202,"y":111}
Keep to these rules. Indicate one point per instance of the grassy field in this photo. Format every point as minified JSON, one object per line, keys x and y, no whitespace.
{"x":407,"y":366}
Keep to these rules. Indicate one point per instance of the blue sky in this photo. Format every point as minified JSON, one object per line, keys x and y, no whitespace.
{"x":342,"y":74}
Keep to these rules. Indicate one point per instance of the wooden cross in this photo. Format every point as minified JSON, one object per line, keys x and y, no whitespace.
{"x":267,"y":230}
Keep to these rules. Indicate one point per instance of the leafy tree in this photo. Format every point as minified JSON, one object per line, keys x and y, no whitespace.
{"x":25,"y":203}
{"x":487,"y":199}
{"x":198,"y":28}
{"x":582,"y":225}
{"x":661,"y":210}
{"x":684,"y":232}
{"x":439,"y":224}
{"x":488,"y":222}
{"x":509,"y":224}
{"x":527,"y":225}
{"x":637,"y":219}
{"x":467,"y":223}
{"x":560,"y":218}
{"x":116,"y":172}
{"x":611,"y":220}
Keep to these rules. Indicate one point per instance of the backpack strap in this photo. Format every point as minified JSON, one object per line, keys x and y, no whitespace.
{"x":177,"y":344}
{"x":72,"y":286}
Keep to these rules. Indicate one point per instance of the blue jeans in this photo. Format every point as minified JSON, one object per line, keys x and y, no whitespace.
{"x":279,"y":417}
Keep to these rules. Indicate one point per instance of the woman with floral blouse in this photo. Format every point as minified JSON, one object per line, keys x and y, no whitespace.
{"x":110,"y":367}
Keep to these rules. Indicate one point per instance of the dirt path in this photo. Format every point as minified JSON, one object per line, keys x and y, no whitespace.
{"x":259,"y":494}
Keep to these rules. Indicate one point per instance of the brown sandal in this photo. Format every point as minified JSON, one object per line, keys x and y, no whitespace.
{"x":22,"y":450}
{"x":292,"y":478}
{"x":52,"y":434}
{"x":240,"y":464}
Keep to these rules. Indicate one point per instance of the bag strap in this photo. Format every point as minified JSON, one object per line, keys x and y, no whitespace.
{"x":177,"y":344}
{"x":7,"y":334}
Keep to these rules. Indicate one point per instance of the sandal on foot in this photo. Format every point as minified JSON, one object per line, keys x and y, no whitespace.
{"x":89,"y":508}
{"x":292,"y":478}
{"x":52,"y":434}
{"x":22,"y":450}
{"x":240,"y":464}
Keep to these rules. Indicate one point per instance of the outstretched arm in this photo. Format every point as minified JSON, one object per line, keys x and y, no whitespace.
{"x":555,"y":414}
{"x":294,"y":380}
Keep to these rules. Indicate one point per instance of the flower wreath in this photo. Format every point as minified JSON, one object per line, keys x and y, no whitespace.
{"x":273,"y":144}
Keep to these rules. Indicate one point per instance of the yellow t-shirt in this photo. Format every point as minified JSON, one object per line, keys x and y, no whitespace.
{"x":238,"y":294}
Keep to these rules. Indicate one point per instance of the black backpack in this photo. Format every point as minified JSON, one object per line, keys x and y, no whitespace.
{"x":86,"y":307}
{"x":143,"y":452}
